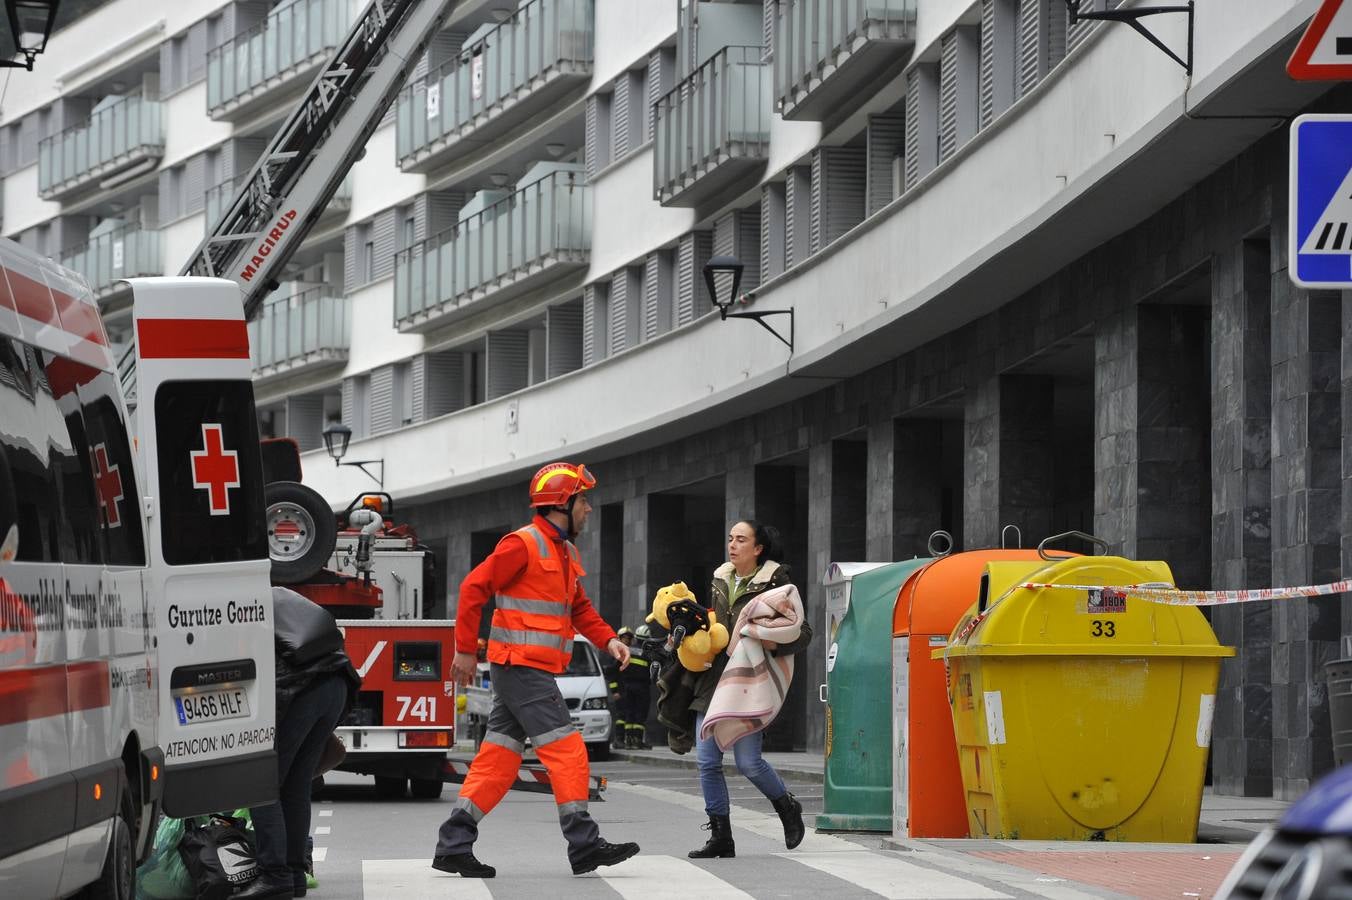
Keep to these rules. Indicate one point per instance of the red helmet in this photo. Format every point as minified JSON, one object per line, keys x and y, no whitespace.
{"x":557,"y":482}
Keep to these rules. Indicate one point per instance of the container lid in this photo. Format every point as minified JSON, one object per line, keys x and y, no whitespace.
{"x":936,"y":596}
{"x":839,"y":572}
{"x":1051,"y":621}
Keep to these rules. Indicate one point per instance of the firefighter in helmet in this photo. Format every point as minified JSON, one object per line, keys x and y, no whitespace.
{"x":536,"y":575}
{"x":635,"y":695}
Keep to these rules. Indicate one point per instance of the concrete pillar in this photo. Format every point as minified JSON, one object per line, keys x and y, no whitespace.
{"x":637,"y":543}
{"x":1173,"y":437}
{"x":879,"y":520}
{"x":1241,"y":500}
{"x":1009,"y":458}
{"x":1306,"y":521}
{"x":1115,"y":368}
{"x":917,"y":486}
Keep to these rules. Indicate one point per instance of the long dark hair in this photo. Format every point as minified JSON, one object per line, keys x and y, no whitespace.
{"x":767,"y":537}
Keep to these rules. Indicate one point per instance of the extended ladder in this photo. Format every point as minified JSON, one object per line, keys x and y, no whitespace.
{"x":310,"y":155}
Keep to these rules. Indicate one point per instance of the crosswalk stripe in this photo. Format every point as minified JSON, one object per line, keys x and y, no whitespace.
{"x":668,"y":878}
{"x":414,"y":879}
{"x":319,"y":854}
{"x":891,"y":877}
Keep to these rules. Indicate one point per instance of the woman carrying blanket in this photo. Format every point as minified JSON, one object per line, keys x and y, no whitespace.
{"x":740,"y":694}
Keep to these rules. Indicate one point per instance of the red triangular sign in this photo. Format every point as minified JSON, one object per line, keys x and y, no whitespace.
{"x":1325,"y":51}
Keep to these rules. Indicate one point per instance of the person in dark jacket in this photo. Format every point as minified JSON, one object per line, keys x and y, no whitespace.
{"x":316,"y":686}
{"x":684,"y":696}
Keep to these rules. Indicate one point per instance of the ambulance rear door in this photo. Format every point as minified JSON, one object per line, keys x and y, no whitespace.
{"x":209,"y":567}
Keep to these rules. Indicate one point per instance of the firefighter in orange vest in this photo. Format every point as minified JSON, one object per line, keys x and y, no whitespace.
{"x":536,"y":576}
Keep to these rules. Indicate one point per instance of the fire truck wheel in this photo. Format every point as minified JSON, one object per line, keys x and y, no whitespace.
{"x":390,"y":787}
{"x":302,"y":531}
{"x":425,"y":788}
{"x":117,"y":881}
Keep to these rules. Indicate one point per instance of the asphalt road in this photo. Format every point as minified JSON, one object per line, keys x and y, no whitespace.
{"x":369,"y":848}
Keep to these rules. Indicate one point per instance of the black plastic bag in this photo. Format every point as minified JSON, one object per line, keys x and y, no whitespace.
{"x":219,"y":854}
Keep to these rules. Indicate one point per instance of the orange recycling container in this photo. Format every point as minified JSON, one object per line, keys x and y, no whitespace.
{"x":927,"y":792}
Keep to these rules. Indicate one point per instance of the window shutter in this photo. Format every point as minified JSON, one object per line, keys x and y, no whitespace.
{"x":349,"y":401}
{"x":769,"y":9}
{"x":886,"y":139}
{"x":444,"y":383}
{"x":626,"y":299}
{"x":351,"y":260}
{"x":661,"y":79}
{"x":194,"y":184}
{"x":619,"y":113}
{"x":922,"y":121}
{"x":692,"y":253}
{"x":797,"y":215}
{"x":305,"y":420}
{"x":417,"y":386}
{"x":382,"y":400}
{"x":838,"y":176}
{"x":168,"y":204}
{"x":814,"y":241}
{"x":592,"y":136}
{"x":659,"y":314}
{"x":382,"y":240}
{"x":167,"y":69}
{"x":748,"y":245}
{"x":508,"y":362}
{"x":986,"y":113}
{"x":594,"y":322}
{"x":948,"y":96}
{"x":1030,"y":69}
{"x":772,"y":239}
{"x":197,"y":51}
{"x":1056,"y":16}
{"x":563,"y":352}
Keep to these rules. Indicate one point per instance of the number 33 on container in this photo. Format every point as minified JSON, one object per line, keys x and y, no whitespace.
{"x":1082,"y":714}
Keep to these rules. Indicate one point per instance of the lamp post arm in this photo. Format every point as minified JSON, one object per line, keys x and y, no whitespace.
{"x":1133,"y":18}
{"x":760,"y":317}
{"x":363,"y":463}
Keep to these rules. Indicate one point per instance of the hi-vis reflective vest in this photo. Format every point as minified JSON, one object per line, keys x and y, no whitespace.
{"x":533,"y":623}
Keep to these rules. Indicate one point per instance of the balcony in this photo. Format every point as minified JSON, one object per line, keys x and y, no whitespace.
{"x":281,"y":52}
{"x":530,"y":237}
{"x":713,"y":129}
{"x":123,"y":133}
{"x":307,"y":331}
{"x":519,"y":70}
{"x":829,"y":54}
{"x":218,"y":196}
{"x":124,"y":252}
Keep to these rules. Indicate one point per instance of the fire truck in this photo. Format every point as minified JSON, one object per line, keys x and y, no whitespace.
{"x":375,"y":577}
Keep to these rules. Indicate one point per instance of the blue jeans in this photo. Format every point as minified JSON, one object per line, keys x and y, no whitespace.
{"x":281,"y":827}
{"x":747,"y":754}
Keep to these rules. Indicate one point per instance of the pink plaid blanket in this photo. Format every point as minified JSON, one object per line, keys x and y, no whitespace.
{"x":754,"y":684}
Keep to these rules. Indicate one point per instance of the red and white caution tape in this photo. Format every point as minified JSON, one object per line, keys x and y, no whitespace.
{"x":1156,"y":593}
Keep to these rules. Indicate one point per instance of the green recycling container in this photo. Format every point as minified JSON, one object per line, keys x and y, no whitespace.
{"x":857,"y":787}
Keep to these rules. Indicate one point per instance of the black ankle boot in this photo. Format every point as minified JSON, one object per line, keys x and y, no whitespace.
{"x":791,"y":814}
{"x":720,"y":844}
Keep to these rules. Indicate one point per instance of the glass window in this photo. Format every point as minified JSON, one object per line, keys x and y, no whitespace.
{"x":583,"y":661}
{"x":211,"y":473}
{"x":114,"y":476}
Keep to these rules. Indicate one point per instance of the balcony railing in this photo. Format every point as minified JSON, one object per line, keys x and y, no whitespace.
{"x":218,"y":197}
{"x":541,"y":231}
{"x":127,"y":252}
{"x":517,"y":70}
{"x":829,"y":53}
{"x":713,"y":129}
{"x":289,"y":42}
{"x":117,"y":136}
{"x":301,"y":331}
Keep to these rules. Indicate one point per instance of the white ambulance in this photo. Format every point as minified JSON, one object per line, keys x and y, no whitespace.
{"x":136,"y":648}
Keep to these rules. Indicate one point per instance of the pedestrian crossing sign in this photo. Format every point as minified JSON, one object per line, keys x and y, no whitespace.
{"x":1320,"y":227}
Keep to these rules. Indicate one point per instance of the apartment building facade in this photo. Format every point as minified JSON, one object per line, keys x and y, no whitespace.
{"x":1036,"y":269}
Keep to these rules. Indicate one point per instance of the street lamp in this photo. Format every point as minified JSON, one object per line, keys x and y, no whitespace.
{"x":30,"y":21}
{"x":730,"y":265}
{"x":336,"y":438}
{"x":1133,"y":17}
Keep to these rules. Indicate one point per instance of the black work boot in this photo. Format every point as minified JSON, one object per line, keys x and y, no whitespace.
{"x":720,"y":844}
{"x":464,"y":865}
{"x":791,"y":814}
{"x":603,"y":854}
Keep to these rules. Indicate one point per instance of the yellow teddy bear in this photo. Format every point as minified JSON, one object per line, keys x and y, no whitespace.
{"x":676,"y":607}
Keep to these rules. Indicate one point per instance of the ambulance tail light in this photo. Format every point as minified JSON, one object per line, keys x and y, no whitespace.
{"x":437,"y":740}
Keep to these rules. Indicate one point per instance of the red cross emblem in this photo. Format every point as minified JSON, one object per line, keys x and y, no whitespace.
{"x":107,"y":485}
{"x":215,"y":469}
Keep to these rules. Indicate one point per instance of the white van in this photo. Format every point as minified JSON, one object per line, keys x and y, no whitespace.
{"x":583,"y":685}
{"x":135,"y":610}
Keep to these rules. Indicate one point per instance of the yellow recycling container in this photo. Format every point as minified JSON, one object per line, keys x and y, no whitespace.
{"x":1082,"y":714}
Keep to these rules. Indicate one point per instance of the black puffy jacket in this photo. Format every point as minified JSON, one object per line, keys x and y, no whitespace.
{"x":308,"y":645}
